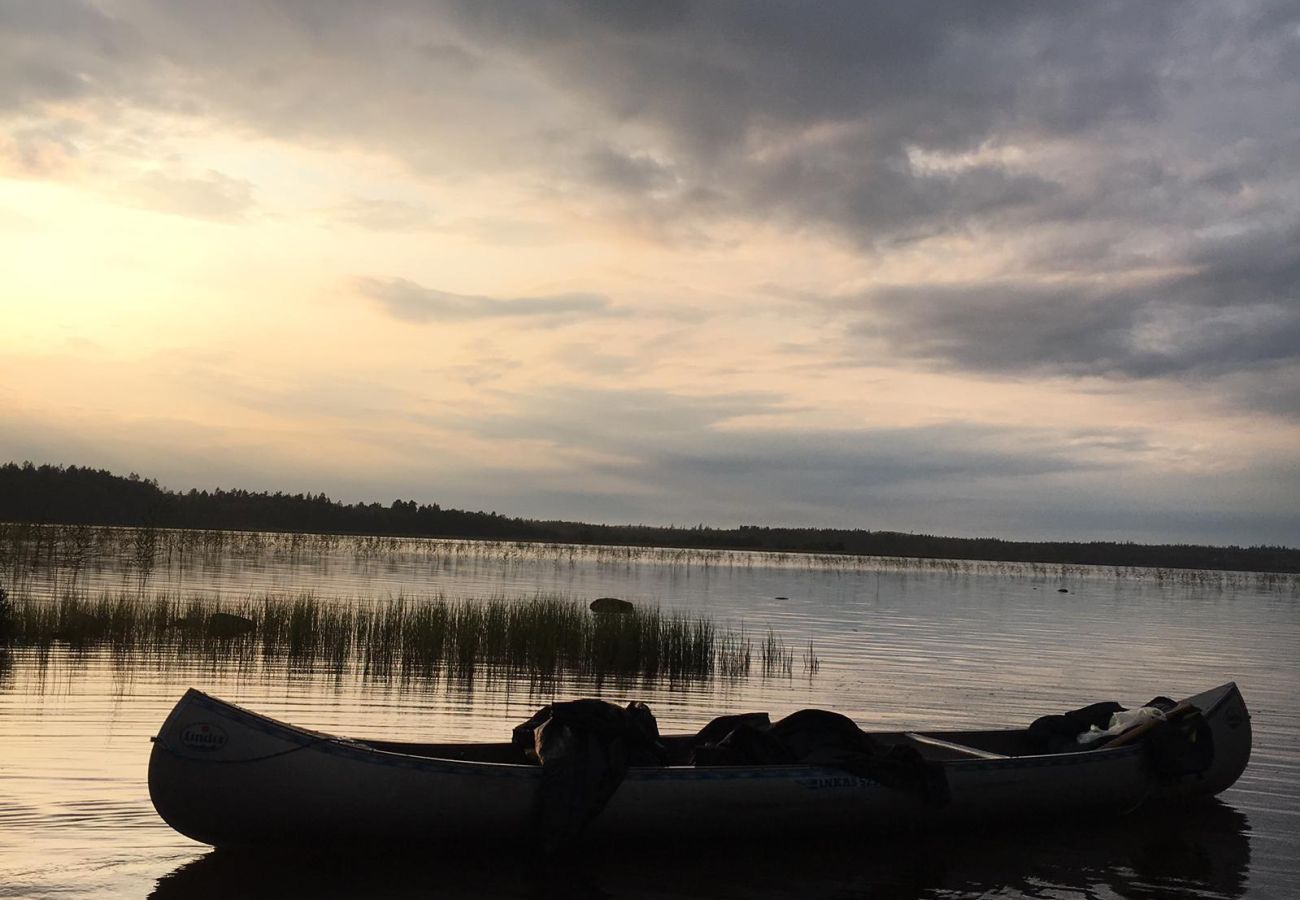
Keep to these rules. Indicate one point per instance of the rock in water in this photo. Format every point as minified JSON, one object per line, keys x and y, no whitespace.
{"x":221,"y":624}
{"x":611,"y":605}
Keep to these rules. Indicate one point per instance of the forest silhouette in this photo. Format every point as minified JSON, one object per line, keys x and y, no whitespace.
{"x":73,"y":495}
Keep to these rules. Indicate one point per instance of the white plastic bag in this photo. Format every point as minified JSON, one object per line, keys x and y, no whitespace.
{"x":1121,"y":722}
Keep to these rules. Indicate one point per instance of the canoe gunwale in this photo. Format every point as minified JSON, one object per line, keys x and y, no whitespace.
{"x":359,"y":751}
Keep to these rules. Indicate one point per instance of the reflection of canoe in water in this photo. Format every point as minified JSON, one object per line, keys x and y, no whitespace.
{"x":1203,"y":852}
{"x":225,"y":776}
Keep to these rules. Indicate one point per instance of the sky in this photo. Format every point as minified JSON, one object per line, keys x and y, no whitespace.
{"x":1027,"y":269}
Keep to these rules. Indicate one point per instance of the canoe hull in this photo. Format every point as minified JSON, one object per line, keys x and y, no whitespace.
{"x":228,"y":777}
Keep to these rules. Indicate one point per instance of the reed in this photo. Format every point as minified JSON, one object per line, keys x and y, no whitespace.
{"x":811,"y":664}
{"x":65,"y":553}
{"x":777,"y":659}
{"x":400,"y":639}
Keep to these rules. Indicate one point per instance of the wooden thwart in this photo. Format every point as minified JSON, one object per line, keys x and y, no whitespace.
{"x":962,"y":749}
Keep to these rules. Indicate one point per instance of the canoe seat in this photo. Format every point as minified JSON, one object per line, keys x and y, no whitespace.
{"x":960,"y":750}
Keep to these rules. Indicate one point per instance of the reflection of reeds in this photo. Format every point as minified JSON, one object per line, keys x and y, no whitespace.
{"x":27,"y":551}
{"x":404,"y":638}
{"x":777,"y":658}
{"x":811,"y":664}
{"x":145,"y":553}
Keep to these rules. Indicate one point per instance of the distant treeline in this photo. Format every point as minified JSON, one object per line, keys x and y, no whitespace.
{"x":73,"y":495}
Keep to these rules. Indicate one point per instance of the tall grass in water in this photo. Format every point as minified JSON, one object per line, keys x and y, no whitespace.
{"x":777,"y":658}
{"x":58,"y":556}
{"x":402,"y":639}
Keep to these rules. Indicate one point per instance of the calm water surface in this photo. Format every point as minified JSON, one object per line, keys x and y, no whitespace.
{"x":900,"y":644}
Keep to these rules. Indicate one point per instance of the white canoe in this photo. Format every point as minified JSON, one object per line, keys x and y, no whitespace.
{"x":226,"y":776}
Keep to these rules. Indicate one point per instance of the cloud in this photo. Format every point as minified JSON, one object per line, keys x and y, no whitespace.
{"x":63,"y":50}
{"x":812,"y":116}
{"x":411,"y":302}
{"x":385,"y":215}
{"x":1234,"y":306}
{"x":698,"y":113}
{"x":41,"y":151}
{"x":709,"y":71}
{"x":211,"y":195}
{"x":400,"y":216}
{"x":668,"y":457}
{"x":1270,"y":389}
{"x":661,"y":434}
{"x":619,"y":420}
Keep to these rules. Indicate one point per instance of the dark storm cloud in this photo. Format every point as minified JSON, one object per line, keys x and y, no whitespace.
{"x":54,"y":50}
{"x":1259,"y":263}
{"x":1238,"y":308}
{"x":624,"y":171}
{"x":412,"y":302}
{"x":1271,"y":389}
{"x":805,"y":114}
{"x":881,"y":200}
{"x":713,"y":78}
{"x":737,"y":91}
{"x":939,"y":72}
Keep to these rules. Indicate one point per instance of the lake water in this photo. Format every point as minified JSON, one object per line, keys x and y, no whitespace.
{"x":899,"y":644}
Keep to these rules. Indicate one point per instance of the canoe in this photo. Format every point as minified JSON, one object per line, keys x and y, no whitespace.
{"x":227,"y":776}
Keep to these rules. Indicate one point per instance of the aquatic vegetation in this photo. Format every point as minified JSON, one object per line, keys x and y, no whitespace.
{"x":811,"y":664}
{"x":777,"y":658}
{"x":62,"y":556}
{"x":402,"y":638}
{"x":6,"y":611}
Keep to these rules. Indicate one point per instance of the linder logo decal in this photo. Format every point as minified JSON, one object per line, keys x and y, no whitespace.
{"x":203,"y":736}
